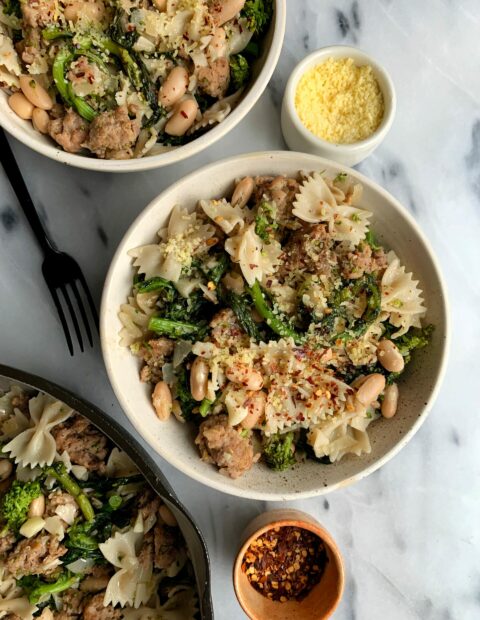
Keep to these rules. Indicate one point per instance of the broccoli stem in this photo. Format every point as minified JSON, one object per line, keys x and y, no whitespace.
{"x":205,"y":407}
{"x":241,"y":309}
{"x":174,"y":329}
{"x":51,"y":33}
{"x":70,"y":486}
{"x":66,"y":581}
{"x":276,"y":324}
{"x":62,"y":60}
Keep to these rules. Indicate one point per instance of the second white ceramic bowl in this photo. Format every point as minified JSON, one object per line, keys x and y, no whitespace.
{"x":395,"y":228}
{"x":262,"y":72}
{"x":299,"y":138}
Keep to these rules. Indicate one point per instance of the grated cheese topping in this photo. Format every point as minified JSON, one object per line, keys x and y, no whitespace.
{"x":339,"y":101}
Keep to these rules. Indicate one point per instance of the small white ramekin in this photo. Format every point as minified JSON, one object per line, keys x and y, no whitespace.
{"x":299,"y":138}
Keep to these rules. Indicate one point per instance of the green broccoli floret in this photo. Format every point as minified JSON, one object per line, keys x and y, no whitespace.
{"x":12,"y":7}
{"x":68,"y":484}
{"x":258,"y":14}
{"x":239,"y":70}
{"x":16,"y":502}
{"x":414,"y":339}
{"x":37,"y":588}
{"x":279,"y":451}
{"x":265,"y":221}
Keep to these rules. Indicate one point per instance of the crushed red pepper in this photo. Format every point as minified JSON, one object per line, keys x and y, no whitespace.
{"x":285,"y":563}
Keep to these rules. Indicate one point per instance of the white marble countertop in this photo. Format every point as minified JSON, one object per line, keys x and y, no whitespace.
{"x":409,"y":533}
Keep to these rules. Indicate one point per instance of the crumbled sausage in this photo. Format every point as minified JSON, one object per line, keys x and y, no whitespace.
{"x":215,"y":78}
{"x":95,"y":610}
{"x":154,"y":354}
{"x":308,"y":249}
{"x":70,"y":131}
{"x":85,"y":444}
{"x":148,"y":504}
{"x":112,"y":132}
{"x":59,"y":498}
{"x":166,"y":545}
{"x":7,"y":542}
{"x":35,"y":556}
{"x":280,"y":190}
{"x":220,"y":444}
{"x":72,"y":605}
{"x":362,"y":260}
{"x":227,"y":332}
{"x":38,"y":13}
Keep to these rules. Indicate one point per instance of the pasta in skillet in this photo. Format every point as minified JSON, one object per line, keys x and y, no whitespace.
{"x":82,"y":530}
{"x":275,"y":323}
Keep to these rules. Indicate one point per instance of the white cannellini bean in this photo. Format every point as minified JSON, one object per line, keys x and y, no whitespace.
{"x":40,"y":120}
{"x":162,"y":401}
{"x":94,"y":584}
{"x":174,"y":87}
{"x":199,"y":378}
{"x":6,"y":469}
{"x":167,"y":516}
{"x":183,"y":118}
{"x":389,"y":356}
{"x":91,"y":11}
{"x":390,"y":401}
{"x":371,"y":388}
{"x":243,"y":192}
{"x":35,"y":93}
{"x":244,"y":375}
{"x":21,"y":105}
{"x":32,"y":527}
{"x":160,"y":5}
{"x":255,"y":405}
{"x":225,"y":10}
{"x":37,"y":507}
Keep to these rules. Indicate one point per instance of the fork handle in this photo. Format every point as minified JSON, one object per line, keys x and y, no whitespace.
{"x":14,"y":175}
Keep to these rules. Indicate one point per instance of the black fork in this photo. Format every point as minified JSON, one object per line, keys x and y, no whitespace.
{"x":60,"y":271}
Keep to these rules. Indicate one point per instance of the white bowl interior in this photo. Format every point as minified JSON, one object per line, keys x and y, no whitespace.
{"x":418,"y":386}
{"x":261,"y":73}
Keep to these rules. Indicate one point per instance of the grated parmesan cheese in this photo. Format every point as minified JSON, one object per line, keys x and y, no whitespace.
{"x":340,"y":101}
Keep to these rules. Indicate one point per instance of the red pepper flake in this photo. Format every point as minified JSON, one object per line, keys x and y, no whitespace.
{"x":183,"y":113}
{"x":285,"y":563}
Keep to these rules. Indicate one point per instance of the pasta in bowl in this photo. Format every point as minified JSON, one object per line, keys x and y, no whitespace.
{"x":83,"y":529}
{"x":276,"y":315}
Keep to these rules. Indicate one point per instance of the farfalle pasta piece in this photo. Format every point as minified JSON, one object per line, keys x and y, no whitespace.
{"x":255,"y":258}
{"x":133,"y":583}
{"x":224,"y":215}
{"x":185,"y":237}
{"x":134,"y":316}
{"x":315,"y":202}
{"x":401,"y":297}
{"x":182,"y":604}
{"x":119,"y":464}
{"x":350,"y":224}
{"x":338,"y":436}
{"x":18,"y":607}
{"x":36,"y":446}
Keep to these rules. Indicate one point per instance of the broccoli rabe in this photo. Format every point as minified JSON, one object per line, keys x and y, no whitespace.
{"x":68,"y":484}
{"x":414,"y":339}
{"x":265,"y":222}
{"x":184,"y":396}
{"x":36,"y":588}
{"x":16,"y":501}
{"x":239,"y":70}
{"x":12,"y":7}
{"x":176,"y":329}
{"x":241,"y":306}
{"x":258,"y":14}
{"x":278,"y":451}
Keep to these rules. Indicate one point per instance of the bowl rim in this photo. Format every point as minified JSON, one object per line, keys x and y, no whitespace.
{"x":221,"y":483}
{"x":129,"y":444}
{"x":295,"y":518}
{"x":341,"y":51}
{"x":257,"y":88}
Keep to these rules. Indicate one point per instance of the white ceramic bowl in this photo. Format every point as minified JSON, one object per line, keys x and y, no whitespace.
{"x":299,"y":138}
{"x":419,"y":385}
{"x":262,"y":72}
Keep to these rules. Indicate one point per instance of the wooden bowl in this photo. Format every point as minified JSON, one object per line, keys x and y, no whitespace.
{"x":322,"y":600}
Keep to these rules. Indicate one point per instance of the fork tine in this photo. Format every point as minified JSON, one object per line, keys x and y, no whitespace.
{"x":61,"y":316}
{"x":72,"y":316}
{"x":89,"y":297}
{"x":82,"y":312}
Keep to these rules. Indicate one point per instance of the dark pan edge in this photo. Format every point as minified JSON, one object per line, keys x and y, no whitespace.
{"x":140,"y":457}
